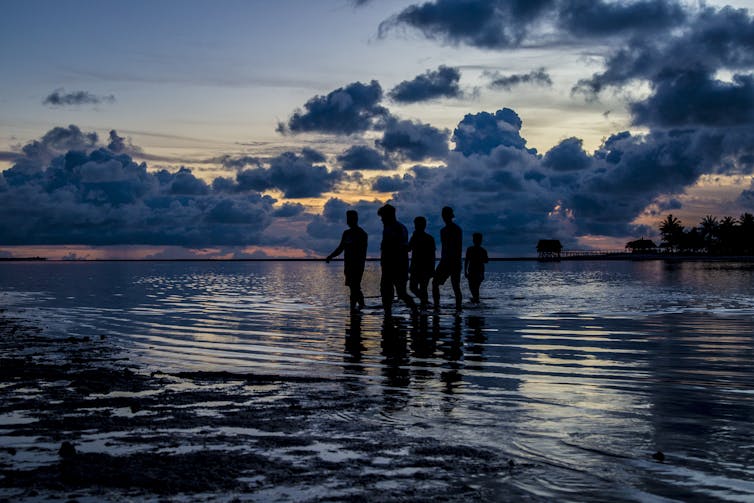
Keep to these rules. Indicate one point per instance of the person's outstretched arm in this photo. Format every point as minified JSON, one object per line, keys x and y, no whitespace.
{"x":337,"y":251}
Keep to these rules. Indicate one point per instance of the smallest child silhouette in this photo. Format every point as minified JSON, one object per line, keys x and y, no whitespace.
{"x":473,"y":266}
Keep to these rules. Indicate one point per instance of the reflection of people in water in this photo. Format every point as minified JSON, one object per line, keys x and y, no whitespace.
{"x":353,"y":245}
{"x":451,"y":239}
{"x":422,"y":268}
{"x":473,"y":266}
{"x":394,"y":260}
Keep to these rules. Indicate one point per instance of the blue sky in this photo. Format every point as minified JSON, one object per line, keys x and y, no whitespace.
{"x":236,"y":129}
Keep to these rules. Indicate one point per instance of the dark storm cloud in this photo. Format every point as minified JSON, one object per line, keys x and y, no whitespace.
{"x":288,"y":210}
{"x":515,"y":196}
{"x":347,"y":110}
{"x":294,"y":175}
{"x":92,"y":195}
{"x":414,"y":141}
{"x":568,"y":155}
{"x":364,"y":158}
{"x":433,"y":84}
{"x":503,"y":24}
{"x":711,"y":40}
{"x":694,"y":98}
{"x":537,"y":77}
{"x":312,"y":155}
{"x":480,"y":133}
{"x":481,"y":23}
{"x":594,"y":18}
{"x":297,"y":177}
{"x":391,"y":183}
{"x":61,"y":98}
{"x":236,"y":163}
{"x":36,"y":155}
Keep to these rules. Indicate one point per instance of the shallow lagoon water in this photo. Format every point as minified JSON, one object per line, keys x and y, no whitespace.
{"x":576,"y":371}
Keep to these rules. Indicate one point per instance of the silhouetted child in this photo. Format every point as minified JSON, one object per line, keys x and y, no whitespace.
{"x":473,"y":266}
{"x":422,"y":268}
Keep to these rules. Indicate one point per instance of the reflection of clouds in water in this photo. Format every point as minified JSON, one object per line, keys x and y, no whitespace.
{"x":584,"y":368}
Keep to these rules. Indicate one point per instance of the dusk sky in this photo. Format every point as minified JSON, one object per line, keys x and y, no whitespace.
{"x":237,"y":129}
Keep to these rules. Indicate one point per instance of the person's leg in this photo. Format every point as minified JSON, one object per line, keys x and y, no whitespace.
{"x":400,"y":290}
{"x":414,"y":284}
{"x":386,"y":292}
{"x":356,"y":292}
{"x":474,"y":288}
{"x":349,"y":284}
{"x":423,"y":294}
{"x":441,"y":274}
{"x":455,"y":281}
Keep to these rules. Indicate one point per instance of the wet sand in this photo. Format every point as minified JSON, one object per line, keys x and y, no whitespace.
{"x":77,"y":421}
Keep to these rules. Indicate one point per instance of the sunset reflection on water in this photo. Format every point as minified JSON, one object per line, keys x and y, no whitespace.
{"x":579,"y":371}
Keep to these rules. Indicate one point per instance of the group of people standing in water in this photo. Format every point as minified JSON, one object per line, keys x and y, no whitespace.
{"x":395,"y":264}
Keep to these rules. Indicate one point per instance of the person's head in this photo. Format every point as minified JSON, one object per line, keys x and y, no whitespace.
{"x":477,"y":238}
{"x":420,"y":223}
{"x":447,"y":214}
{"x":387,"y":213}
{"x":352,"y":218}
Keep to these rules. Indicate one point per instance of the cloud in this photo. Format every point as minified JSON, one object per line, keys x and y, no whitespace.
{"x":515,"y":196}
{"x":682,"y":68}
{"x":391,"y":183}
{"x":237,"y":162}
{"x":504,"y":24}
{"x":599,"y":18}
{"x":538,"y":77}
{"x":347,"y":110}
{"x":487,"y":24}
{"x":433,"y":84}
{"x":35,"y":155}
{"x":288,"y":210}
{"x":362,"y":157}
{"x":413,"y":141}
{"x":694,"y":98}
{"x":59,"y":98}
{"x":91,"y":195}
{"x":294,"y":175}
{"x":568,"y":155}
{"x":480,"y":133}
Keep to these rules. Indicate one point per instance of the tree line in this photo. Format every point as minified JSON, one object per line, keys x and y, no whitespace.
{"x":726,"y":236}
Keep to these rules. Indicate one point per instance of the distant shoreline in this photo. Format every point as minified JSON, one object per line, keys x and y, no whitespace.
{"x":606,"y":257}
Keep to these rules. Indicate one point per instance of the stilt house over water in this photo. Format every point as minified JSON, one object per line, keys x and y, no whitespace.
{"x":549,"y":249}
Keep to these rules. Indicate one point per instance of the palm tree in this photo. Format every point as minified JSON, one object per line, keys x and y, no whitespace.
{"x":726,"y":233}
{"x":745,"y":234}
{"x":709,"y":230}
{"x":672,"y":233}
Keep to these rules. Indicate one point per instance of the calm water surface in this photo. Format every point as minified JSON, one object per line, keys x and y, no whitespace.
{"x":578,"y":371}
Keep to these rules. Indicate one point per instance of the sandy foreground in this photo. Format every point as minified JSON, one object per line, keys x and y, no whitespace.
{"x":79,"y":422}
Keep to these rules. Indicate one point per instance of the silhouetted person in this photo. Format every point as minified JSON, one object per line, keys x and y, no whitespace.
{"x":451,"y":239}
{"x":353,"y":245}
{"x":473,"y":266}
{"x":422,"y":247}
{"x":394,"y":260}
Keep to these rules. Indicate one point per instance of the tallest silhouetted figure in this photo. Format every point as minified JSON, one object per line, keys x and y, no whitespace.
{"x":394,"y":260}
{"x":451,"y":240}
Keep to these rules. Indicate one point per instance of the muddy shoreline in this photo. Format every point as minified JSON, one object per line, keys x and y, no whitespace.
{"x":79,"y":422}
